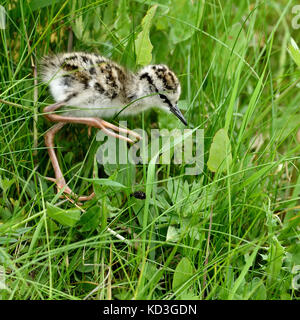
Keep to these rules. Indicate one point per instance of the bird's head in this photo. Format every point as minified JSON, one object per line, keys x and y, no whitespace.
{"x":163,"y":88}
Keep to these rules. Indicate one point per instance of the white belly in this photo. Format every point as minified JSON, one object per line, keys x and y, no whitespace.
{"x":98,"y":109}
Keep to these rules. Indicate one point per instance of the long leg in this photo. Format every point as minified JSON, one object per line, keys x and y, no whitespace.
{"x":59,"y":178}
{"x":62,"y":120}
{"x":49,"y":142}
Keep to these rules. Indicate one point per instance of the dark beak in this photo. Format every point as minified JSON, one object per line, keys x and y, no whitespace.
{"x":178,"y":114}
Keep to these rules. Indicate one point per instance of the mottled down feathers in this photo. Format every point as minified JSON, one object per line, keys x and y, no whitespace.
{"x":97,"y":86}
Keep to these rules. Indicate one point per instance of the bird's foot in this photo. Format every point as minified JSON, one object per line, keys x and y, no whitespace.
{"x":61,"y":185}
{"x":108,"y":128}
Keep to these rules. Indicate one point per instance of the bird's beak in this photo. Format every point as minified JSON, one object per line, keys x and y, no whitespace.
{"x":175,"y":110}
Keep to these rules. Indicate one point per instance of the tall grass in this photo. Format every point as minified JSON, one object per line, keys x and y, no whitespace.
{"x":230,"y":234}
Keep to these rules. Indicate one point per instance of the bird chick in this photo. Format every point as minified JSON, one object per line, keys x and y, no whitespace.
{"x":89,"y":87}
{"x":99,"y":87}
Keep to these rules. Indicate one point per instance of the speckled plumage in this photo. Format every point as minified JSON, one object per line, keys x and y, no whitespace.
{"x":99,"y":87}
{"x":89,"y":87}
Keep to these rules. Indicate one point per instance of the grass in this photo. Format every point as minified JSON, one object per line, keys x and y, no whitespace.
{"x":229,"y":234}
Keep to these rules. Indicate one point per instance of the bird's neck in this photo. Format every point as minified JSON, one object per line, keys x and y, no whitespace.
{"x":138,"y":97}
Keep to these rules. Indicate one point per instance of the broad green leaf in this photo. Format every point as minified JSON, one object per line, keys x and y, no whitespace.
{"x":183,"y":272}
{"x":52,"y":226}
{"x":220,"y":152}
{"x":294,"y":52}
{"x":65,"y":217}
{"x":105,"y":182}
{"x":90,"y":219}
{"x":143,"y":46}
{"x":173,"y":234}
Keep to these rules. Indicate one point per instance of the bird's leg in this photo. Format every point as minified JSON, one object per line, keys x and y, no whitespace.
{"x":91,"y":122}
{"x":59,"y":178}
{"x":49,"y":142}
{"x":52,"y":107}
{"x":98,"y":123}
